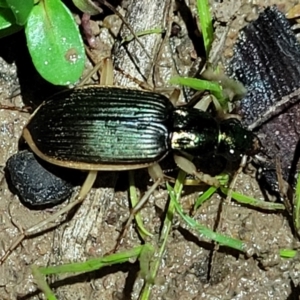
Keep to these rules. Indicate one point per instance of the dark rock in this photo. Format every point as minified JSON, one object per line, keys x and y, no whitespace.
{"x":266,"y":60}
{"x":36,"y":182}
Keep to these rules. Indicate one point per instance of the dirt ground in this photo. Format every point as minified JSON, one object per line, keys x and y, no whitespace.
{"x":188,"y":261}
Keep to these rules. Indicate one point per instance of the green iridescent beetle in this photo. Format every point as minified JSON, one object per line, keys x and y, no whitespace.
{"x":97,"y":128}
{"x":100,"y":128}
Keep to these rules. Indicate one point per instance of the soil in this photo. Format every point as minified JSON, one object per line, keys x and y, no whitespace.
{"x":192,"y":268}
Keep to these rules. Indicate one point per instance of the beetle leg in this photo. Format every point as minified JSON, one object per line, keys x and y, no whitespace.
{"x":155,"y":172}
{"x":87,"y":185}
{"x":174,"y":96}
{"x":204,"y":103}
{"x":107,"y":74}
{"x":25,"y":109}
{"x":135,"y":210}
{"x":188,"y":167}
{"x":40,"y":227}
{"x":157,"y":176}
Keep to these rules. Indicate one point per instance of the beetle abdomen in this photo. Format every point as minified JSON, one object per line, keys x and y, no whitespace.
{"x":102,"y":125}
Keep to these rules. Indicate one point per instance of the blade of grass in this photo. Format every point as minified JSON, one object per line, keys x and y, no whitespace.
{"x":254,"y":202}
{"x":206,"y":232}
{"x":296,"y":208}
{"x":205,"y":196}
{"x":83,"y":267}
{"x":41,"y":283}
{"x":287,"y":253}
{"x":145,"y":294}
{"x":206,"y":24}
{"x":94,"y":263}
{"x":199,"y":84}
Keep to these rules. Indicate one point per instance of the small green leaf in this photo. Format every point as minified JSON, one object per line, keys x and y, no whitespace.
{"x":87,"y":7}
{"x":199,"y":84}
{"x":287,"y":253}
{"x":7,"y":23}
{"x":206,"y":23}
{"x":205,"y":196}
{"x":6,"y":18}
{"x":3,"y":3}
{"x":240,"y":198}
{"x":54,"y":42}
{"x":20,"y":9}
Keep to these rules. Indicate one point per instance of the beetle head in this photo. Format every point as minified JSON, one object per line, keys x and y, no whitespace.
{"x":235,"y":141}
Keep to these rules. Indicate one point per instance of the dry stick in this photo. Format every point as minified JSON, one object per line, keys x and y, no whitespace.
{"x":142,"y":84}
{"x":282,"y":187}
{"x":108,"y":5}
{"x":215,"y":53}
{"x":91,"y":73}
{"x":166,"y":36}
{"x":134,"y":211}
{"x":276,"y":108}
{"x":38,"y":227}
{"x":224,"y":210}
{"x":24,"y":109}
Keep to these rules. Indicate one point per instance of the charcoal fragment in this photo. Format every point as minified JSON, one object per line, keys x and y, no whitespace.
{"x":266,"y":60}
{"x":35,"y":182}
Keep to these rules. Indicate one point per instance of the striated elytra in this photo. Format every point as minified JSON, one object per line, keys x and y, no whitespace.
{"x":111,"y":128}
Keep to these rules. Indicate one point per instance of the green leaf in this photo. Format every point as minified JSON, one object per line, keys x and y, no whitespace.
{"x":205,"y":196}
{"x":6,"y":18}
{"x":199,"y":84}
{"x":7,"y":23}
{"x":20,"y":9}
{"x":287,"y":253}
{"x":252,"y":201}
{"x":87,"y":7}
{"x":206,"y":24}
{"x":54,"y":42}
{"x":3,"y":3}
{"x":205,"y":231}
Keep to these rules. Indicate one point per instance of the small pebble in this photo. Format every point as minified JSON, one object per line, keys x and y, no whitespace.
{"x":34,"y":182}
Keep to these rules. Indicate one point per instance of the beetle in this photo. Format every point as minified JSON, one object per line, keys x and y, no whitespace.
{"x":100,"y":128}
